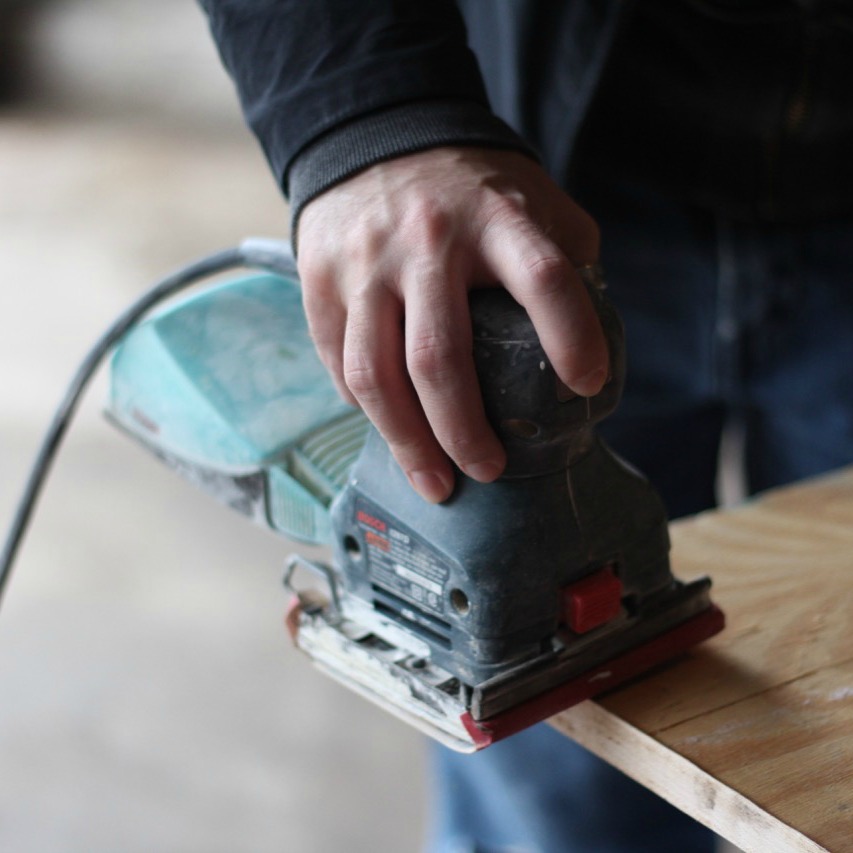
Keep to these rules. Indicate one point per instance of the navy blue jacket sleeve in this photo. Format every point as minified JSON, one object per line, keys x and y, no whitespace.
{"x":332,"y":86}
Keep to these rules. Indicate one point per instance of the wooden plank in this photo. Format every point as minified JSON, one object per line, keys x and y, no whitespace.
{"x":752,"y":733}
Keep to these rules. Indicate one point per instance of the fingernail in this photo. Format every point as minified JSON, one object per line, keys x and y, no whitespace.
{"x":484,"y":472}
{"x":430,"y":486}
{"x":591,"y":384}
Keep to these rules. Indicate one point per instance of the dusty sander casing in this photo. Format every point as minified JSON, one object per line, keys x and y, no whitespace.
{"x":481,"y":577}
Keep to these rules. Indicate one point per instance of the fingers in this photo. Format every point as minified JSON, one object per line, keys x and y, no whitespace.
{"x":374,"y":370}
{"x":327,"y":320}
{"x":541,"y":278}
{"x":440,"y":363}
{"x":417,"y":384}
{"x":402,"y":242}
{"x":355,"y":316}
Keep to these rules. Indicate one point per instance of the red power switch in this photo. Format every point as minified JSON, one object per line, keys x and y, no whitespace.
{"x":592,"y":601}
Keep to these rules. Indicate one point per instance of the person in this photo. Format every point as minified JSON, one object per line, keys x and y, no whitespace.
{"x":18,"y":59}
{"x":697,"y":148}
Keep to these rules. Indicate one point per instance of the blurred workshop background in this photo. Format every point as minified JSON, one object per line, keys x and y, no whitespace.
{"x":149,"y":699}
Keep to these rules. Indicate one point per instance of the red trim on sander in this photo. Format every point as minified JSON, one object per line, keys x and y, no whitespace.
{"x":604,"y":676}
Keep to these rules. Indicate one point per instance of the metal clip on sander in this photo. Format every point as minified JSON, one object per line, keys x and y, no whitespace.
{"x":471,"y":619}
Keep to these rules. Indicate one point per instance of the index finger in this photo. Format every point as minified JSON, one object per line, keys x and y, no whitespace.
{"x":543,"y":280}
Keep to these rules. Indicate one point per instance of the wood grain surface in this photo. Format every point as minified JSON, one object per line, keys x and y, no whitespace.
{"x":752,"y":733}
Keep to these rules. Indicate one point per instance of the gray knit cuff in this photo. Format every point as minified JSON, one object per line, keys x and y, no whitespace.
{"x":341,"y":153}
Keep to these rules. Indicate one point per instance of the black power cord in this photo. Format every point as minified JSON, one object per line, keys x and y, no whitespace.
{"x":270,"y":255}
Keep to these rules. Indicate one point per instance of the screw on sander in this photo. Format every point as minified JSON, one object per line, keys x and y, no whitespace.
{"x":477,"y":617}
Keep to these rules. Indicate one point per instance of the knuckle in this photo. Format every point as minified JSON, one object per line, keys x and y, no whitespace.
{"x":463,"y":448}
{"x":411,"y":452}
{"x":363,"y":290}
{"x":427,"y":224}
{"x":363,"y":247}
{"x":546,"y":274}
{"x":317,"y":301}
{"x":313,"y":262}
{"x":432,"y":358}
{"x":363,"y":378}
{"x":504,"y":210}
{"x":319,"y":288}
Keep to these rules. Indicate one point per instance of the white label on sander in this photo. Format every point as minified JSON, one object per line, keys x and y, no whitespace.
{"x":401,"y":563}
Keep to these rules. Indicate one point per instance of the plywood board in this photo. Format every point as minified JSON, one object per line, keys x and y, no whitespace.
{"x":752,"y":733}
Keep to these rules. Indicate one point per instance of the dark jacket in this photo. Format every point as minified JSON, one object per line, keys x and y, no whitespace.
{"x":330,"y":87}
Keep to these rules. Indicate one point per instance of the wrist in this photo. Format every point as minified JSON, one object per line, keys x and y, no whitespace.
{"x":408,"y":129}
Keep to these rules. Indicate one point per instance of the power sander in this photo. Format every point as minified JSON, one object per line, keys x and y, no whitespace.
{"x":471,"y":619}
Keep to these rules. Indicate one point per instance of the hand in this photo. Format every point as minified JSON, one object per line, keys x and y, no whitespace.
{"x":386,"y":260}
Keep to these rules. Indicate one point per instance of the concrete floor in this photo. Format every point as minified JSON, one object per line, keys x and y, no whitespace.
{"x":150,"y":700}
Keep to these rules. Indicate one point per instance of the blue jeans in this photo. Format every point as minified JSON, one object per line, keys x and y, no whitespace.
{"x":725,"y":323}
